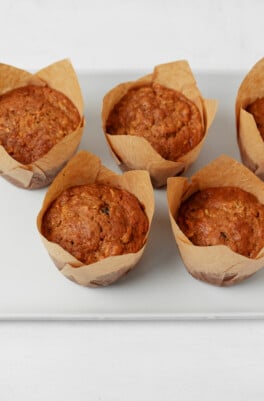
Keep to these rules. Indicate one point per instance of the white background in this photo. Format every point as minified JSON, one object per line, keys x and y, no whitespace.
{"x":112,"y":361}
{"x":104,"y":34}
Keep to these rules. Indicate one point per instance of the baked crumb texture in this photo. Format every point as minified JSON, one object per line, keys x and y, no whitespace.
{"x":224,"y":215}
{"x":33,"y":119}
{"x":257,"y":110}
{"x":169,"y":121}
{"x":95,"y":221}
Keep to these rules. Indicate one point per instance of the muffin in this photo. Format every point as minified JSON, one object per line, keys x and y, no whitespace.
{"x":256,"y":108}
{"x":168,"y":120}
{"x":250,"y":120}
{"x":33,"y":119}
{"x":224,"y":216}
{"x":41,"y":122}
{"x":159,"y":122}
{"x":217,"y":221}
{"x":95,"y":223}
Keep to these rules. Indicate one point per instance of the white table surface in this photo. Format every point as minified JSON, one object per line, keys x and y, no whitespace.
{"x":112,"y":361}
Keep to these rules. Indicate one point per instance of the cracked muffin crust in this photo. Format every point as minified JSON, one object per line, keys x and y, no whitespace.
{"x":169,"y":121}
{"x":95,"y":221}
{"x":257,"y":110}
{"x":33,"y":119}
{"x":224,"y":215}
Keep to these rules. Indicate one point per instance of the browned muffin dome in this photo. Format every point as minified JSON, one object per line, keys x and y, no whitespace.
{"x":224,"y":215}
{"x":257,"y":110}
{"x":95,"y":221}
{"x":33,"y":119}
{"x":169,"y":121}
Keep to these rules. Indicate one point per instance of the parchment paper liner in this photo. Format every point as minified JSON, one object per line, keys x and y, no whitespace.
{"x":250,"y":142}
{"x":218,"y":264}
{"x":133,"y":152}
{"x":62,"y":77}
{"x":86,"y":168}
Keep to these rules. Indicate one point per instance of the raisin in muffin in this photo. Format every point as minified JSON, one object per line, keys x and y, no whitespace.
{"x":224,"y":216}
{"x":169,"y":121}
{"x":94,"y":221}
{"x":33,"y":119}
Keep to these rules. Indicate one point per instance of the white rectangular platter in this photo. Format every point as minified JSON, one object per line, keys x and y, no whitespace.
{"x":159,"y":287}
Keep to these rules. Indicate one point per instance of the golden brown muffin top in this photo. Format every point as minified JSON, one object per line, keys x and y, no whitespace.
{"x":33,"y":119}
{"x":169,"y":121}
{"x":257,"y":110}
{"x":95,"y":221}
{"x":224,"y":215}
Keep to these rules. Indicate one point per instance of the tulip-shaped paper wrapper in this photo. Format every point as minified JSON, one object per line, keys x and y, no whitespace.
{"x":216,"y":264}
{"x":135,"y":152}
{"x":61,"y":77}
{"x":250,"y":142}
{"x":86,"y":168}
